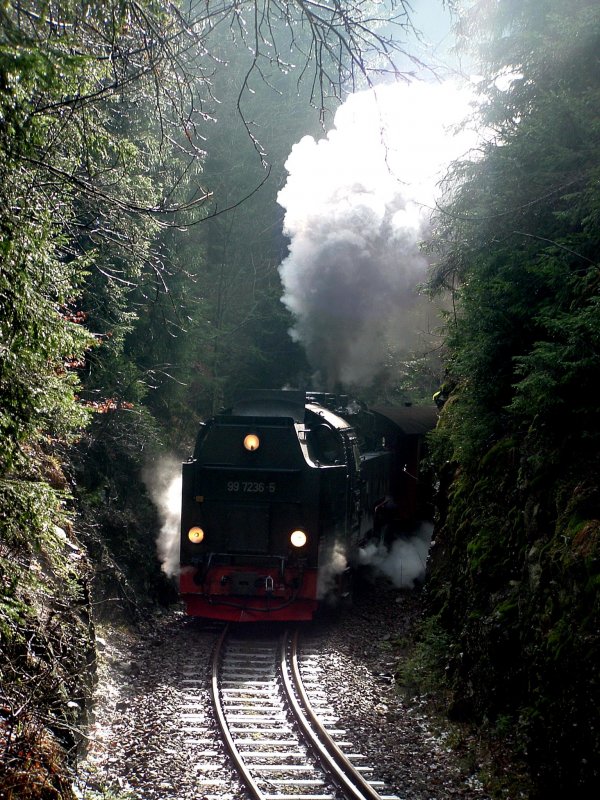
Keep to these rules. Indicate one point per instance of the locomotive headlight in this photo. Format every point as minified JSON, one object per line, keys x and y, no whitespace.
{"x":196,"y":535}
{"x":298,"y":538}
{"x":251,"y":442}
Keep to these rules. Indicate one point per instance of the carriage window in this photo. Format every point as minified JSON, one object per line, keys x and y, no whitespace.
{"x":325,"y":445}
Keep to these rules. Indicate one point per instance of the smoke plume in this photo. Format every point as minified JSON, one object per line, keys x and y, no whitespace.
{"x":357,"y":205}
{"x":163,"y":481}
{"x":404,"y":563}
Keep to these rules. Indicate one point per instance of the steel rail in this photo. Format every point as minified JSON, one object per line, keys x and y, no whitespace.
{"x":345,"y":774}
{"x":240,"y":765}
{"x":329,"y":756}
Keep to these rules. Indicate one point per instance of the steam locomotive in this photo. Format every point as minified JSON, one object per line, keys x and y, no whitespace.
{"x":282,"y":490}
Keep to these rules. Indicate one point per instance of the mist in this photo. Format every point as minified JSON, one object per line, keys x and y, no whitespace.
{"x":357,"y":207}
{"x":404,"y":563}
{"x":163,"y":481}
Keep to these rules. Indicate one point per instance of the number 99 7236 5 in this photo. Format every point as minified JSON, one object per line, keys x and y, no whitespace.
{"x":252,"y":487}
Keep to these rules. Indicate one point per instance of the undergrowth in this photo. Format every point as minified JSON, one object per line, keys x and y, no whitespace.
{"x":46,"y":638}
{"x":487,"y":751}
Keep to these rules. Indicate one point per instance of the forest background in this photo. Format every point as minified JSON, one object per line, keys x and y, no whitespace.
{"x":138,"y":293}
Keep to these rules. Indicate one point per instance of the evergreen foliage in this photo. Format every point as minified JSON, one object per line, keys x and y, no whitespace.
{"x":245,"y":343}
{"x":67,"y":164}
{"x":116,"y":330}
{"x":516,"y":567}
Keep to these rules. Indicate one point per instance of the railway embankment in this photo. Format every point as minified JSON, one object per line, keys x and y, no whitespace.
{"x":154,"y":733}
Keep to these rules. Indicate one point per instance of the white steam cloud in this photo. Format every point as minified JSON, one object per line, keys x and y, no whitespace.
{"x":404,"y":563}
{"x":357,"y":205}
{"x":331,"y":565}
{"x":163,"y":481}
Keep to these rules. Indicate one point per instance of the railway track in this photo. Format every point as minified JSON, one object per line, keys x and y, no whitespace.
{"x":279,"y":730}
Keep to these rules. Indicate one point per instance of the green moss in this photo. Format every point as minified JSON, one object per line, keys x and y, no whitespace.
{"x":503,"y":452}
{"x":424,"y":670}
{"x":559,"y":637}
{"x":507,"y":609}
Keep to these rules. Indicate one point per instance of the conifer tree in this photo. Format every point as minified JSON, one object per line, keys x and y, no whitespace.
{"x":515,"y":572}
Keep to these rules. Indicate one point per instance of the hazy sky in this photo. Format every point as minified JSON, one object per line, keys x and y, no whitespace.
{"x":434,"y":21}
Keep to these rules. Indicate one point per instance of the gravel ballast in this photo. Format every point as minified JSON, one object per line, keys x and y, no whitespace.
{"x":153,"y":736}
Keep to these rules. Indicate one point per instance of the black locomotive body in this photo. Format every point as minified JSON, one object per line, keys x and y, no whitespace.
{"x":276,"y":502}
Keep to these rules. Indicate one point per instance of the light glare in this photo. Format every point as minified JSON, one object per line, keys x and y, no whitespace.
{"x":298,"y":538}
{"x":196,"y":535}
{"x":251,"y":442}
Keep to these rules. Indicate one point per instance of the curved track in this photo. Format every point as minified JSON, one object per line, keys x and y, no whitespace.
{"x":280,"y":746}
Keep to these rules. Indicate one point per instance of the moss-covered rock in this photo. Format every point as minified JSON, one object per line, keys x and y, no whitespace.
{"x":513,"y":579}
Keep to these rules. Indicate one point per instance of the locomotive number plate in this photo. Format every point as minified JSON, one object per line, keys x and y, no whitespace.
{"x":252,"y":487}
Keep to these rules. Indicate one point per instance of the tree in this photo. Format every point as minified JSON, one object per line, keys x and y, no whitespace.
{"x":103,"y":112}
{"x":103,"y":123}
{"x":246,"y":146}
{"x":518,"y":245}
